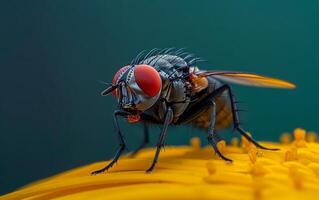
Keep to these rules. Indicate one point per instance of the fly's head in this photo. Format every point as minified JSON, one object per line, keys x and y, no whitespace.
{"x":136,"y":88}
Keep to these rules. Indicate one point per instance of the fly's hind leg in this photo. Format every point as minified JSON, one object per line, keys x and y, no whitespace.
{"x":236,"y":119}
{"x":197,"y":109}
{"x":122,"y":145}
{"x":211,"y":133}
{"x":145,"y":142}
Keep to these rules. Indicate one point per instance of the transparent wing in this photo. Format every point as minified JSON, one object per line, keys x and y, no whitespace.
{"x":249,"y":79}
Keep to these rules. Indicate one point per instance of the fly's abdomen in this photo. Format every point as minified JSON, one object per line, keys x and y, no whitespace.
{"x":223,"y":115}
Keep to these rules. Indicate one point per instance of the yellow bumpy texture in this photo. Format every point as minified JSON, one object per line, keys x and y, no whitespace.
{"x":195,"y":172}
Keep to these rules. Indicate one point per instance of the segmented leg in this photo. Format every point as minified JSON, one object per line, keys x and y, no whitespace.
{"x":201,"y":106}
{"x":122,"y":144}
{"x":236,"y":119}
{"x":211,"y":130}
{"x":145,"y":142}
{"x":167,"y":121}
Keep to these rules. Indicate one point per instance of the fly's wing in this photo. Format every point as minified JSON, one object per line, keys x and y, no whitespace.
{"x":249,"y":79}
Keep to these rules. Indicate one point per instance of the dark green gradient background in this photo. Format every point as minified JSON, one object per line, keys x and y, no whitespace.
{"x":53,"y":52}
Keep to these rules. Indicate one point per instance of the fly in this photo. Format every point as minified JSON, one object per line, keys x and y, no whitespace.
{"x":166,"y":87}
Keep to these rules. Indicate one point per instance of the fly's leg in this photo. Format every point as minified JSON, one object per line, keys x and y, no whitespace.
{"x":145,"y":141}
{"x":211,"y":133}
{"x":160,"y":144}
{"x":200,"y":107}
{"x":237,"y":122}
{"x":122,"y":145}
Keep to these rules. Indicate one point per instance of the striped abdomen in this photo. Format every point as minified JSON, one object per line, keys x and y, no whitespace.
{"x":223,"y":115}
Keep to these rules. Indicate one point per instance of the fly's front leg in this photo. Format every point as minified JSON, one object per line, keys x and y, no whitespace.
{"x":211,"y":131}
{"x":145,"y":142}
{"x":122,"y":145}
{"x":167,"y":120}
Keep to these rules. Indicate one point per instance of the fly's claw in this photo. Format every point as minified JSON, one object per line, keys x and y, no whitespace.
{"x":97,"y":172}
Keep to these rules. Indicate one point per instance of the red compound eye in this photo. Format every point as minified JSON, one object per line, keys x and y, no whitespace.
{"x":117,"y":76}
{"x":148,"y":79}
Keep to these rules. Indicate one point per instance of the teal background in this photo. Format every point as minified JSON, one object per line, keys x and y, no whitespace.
{"x":53,"y":52}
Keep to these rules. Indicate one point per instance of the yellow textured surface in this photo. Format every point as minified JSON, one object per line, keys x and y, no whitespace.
{"x":192,"y":172}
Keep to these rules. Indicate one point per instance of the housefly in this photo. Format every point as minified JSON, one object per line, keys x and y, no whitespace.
{"x":166,"y":87}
